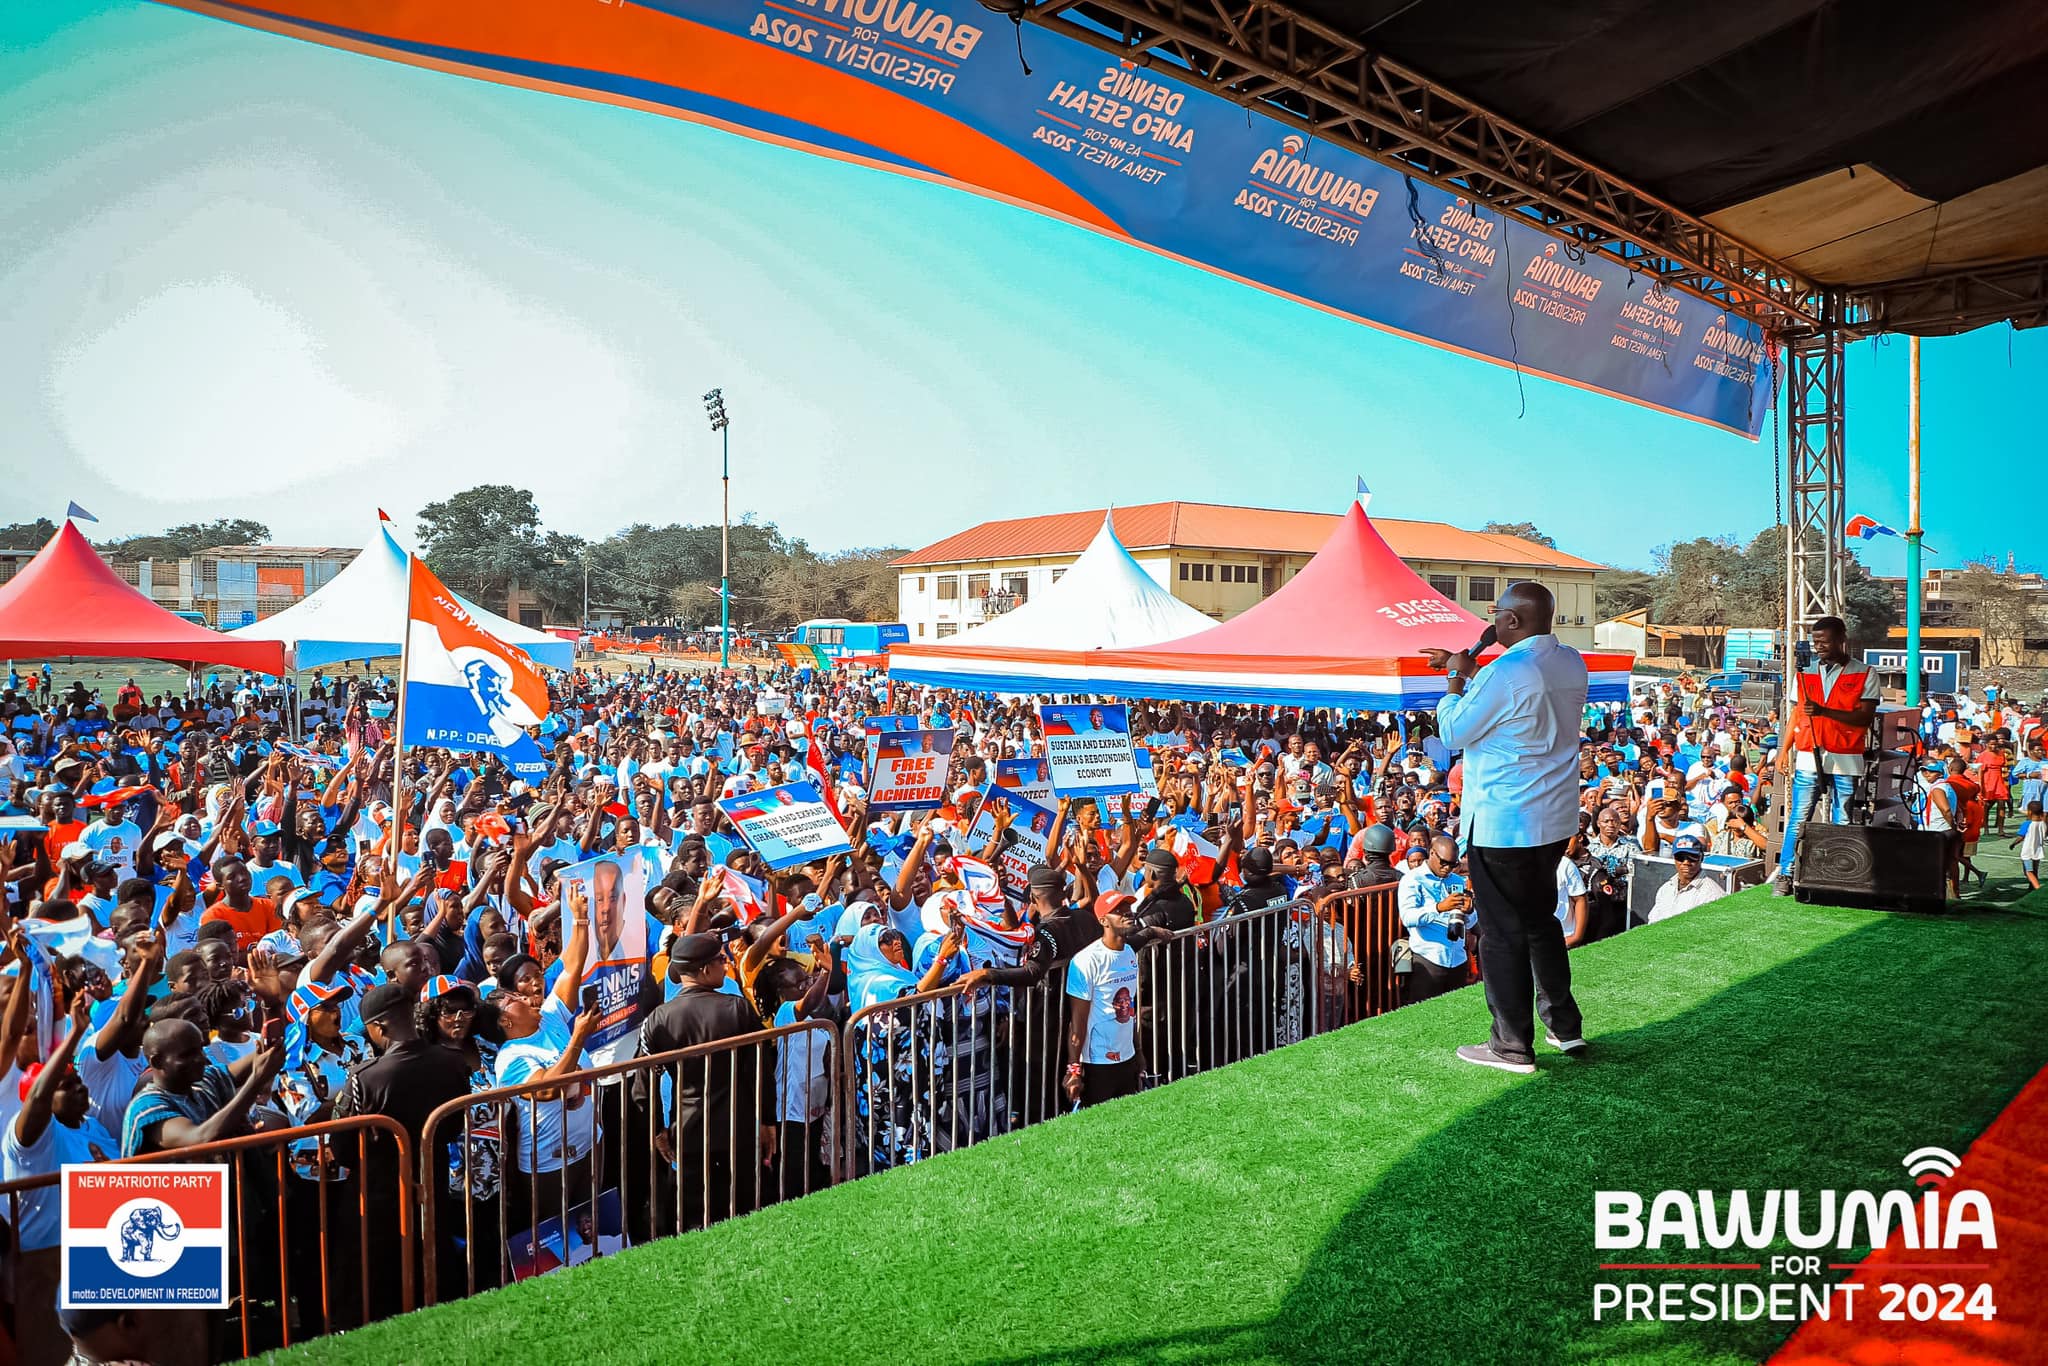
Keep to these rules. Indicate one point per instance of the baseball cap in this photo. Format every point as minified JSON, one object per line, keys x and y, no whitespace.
{"x":1688,"y":846}
{"x":442,"y":985}
{"x":1114,"y":903}
{"x":263,"y":829}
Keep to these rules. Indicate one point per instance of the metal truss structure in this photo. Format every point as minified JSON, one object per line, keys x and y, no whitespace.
{"x":1310,"y":76}
{"x":1815,"y":522}
{"x":1958,"y":300}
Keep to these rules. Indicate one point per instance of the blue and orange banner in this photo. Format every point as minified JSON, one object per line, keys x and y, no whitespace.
{"x":937,"y":91}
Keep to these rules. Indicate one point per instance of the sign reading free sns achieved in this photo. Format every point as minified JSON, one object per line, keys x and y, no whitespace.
{"x":1088,"y":748}
{"x":909,"y":769}
{"x":145,"y":1237}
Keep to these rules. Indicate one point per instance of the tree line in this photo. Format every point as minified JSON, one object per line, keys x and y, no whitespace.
{"x":485,"y":540}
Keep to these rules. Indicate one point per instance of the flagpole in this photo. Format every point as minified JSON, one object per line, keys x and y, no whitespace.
{"x":1913,"y":522}
{"x":397,"y":844}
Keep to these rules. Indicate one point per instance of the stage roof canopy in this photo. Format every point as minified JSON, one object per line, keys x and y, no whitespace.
{"x":1863,"y":145}
{"x":1855,"y":142}
{"x":360,"y":614}
{"x":68,"y":603}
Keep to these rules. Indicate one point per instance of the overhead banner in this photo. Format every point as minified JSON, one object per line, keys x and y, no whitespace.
{"x":907,"y":769}
{"x":787,"y":825}
{"x":938,"y":91}
{"x":1088,"y":749}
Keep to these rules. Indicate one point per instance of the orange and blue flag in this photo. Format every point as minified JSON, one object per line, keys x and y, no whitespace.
{"x":464,"y":688}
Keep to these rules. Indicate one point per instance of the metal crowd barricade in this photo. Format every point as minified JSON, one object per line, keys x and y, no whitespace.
{"x":1225,"y":990}
{"x":304,"y":1204}
{"x":1356,"y":927}
{"x":923,"y":1074}
{"x":519,"y":1180}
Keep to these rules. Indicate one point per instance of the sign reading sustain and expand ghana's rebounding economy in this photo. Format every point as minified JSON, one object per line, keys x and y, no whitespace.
{"x":1089,"y":750}
{"x":787,"y":825}
{"x":948,"y":91}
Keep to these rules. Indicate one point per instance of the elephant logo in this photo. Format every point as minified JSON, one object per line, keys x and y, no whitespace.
{"x":147,"y":1221}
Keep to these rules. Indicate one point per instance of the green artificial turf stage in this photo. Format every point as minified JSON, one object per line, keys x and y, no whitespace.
{"x":1361,"y":1197}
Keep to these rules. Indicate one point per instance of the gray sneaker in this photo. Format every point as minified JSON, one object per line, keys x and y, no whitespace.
{"x":1575,"y":1048}
{"x":1781,"y":885}
{"x":1484,"y":1056}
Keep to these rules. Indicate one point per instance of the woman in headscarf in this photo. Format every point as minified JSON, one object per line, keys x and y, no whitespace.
{"x":485,"y":923}
{"x":886,"y":1044}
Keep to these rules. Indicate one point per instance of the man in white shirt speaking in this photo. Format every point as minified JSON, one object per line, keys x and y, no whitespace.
{"x":1518,"y":723}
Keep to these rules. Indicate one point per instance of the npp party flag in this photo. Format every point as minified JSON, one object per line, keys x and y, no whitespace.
{"x":464,"y":688}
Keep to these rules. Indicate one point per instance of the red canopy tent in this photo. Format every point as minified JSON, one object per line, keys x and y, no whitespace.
{"x":1347,"y":631}
{"x":68,"y":602}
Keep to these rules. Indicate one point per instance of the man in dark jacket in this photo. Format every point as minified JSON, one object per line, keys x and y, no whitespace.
{"x":719,"y":1127}
{"x":409,"y":1080}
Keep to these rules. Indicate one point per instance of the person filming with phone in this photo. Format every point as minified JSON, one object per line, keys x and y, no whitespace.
{"x":1436,"y":908}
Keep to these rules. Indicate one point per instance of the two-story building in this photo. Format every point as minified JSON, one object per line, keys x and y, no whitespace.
{"x":1219,"y":560}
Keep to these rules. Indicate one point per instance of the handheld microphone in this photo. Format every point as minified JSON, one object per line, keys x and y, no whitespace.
{"x":1487,"y":640}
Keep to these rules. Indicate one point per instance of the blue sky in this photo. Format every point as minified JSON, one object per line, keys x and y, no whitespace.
{"x":247,"y":276}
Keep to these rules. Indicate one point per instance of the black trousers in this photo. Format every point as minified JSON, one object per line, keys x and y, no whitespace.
{"x":1521,"y":946}
{"x":1102,"y":1081}
{"x":1425,"y":980}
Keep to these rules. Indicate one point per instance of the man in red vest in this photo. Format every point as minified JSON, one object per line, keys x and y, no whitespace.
{"x":1837,"y":701}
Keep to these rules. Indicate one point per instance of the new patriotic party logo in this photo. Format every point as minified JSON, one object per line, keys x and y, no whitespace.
{"x":145,"y":1237}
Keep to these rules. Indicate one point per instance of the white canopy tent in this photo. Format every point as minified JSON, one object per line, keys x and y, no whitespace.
{"x":360,"y":614}
{"x":1105,"y":601}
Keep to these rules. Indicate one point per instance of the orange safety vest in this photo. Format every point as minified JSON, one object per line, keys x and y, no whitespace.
{"x":1823,"y":733}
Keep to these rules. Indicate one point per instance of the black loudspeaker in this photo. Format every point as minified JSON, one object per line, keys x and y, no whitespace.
{"x":1879,"y":867}
{"x":1897,"y":728}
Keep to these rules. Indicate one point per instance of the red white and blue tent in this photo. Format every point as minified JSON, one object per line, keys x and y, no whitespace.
{"x":1347,"y":631}
{"x":361,"y":614}
{"x":1105,"y":601}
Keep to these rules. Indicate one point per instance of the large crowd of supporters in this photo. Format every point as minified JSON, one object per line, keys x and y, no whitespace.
{"x":211,"y":930}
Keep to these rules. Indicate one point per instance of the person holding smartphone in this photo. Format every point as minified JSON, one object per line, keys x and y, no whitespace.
{"x":1436,"y":907}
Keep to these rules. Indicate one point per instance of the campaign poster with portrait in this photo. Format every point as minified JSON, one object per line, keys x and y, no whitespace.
{"x":907,"y":769}
{"x":1030,"y":779}
{"x":1088,"y":748}
{"x":787,"y":825}
{"x":1024,"y":849}
{"x":609,"y":893}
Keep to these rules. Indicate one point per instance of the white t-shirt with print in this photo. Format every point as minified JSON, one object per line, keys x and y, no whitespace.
{"x":1108,"y":981}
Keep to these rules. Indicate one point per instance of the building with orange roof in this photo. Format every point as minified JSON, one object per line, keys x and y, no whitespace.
{"x":1219,"y":560}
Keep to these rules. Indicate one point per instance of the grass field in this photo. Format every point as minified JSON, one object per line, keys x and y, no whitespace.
{"x":1357,"y":1197}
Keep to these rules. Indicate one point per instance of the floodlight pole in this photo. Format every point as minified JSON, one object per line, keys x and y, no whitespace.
{"x":1913,"y":591}
{"x":725,"y":546}
{"x":714,"y":408}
